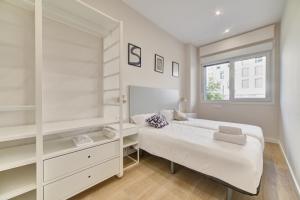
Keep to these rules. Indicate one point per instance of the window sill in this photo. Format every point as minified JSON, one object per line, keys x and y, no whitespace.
{"x":237,"y":102}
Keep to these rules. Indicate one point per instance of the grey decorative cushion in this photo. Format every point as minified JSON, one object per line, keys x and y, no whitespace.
{"x":157,"y":121}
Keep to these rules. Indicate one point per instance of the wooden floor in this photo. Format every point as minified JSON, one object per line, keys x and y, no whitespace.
{"x":151,"y":180}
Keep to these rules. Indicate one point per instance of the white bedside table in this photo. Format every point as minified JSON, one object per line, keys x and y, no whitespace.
{"x":130,"y":143}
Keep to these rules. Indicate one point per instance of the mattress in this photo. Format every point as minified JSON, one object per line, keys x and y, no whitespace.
{"x":194,"y":147}
{"x":249,"y":130}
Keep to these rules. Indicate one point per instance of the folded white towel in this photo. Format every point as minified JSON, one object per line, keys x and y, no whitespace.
{"x":109,"y":132}
{"x":235,"y":139}
{"x":230,"y":130}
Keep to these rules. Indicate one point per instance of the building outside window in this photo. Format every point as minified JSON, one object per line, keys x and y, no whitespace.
{"x":245,"y":72}
{"x":238,"y":79}
{"x":217,"y":82}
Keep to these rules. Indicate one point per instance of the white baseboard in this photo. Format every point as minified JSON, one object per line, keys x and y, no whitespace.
{"x":272,"y":140}
{"x":290,"y":169}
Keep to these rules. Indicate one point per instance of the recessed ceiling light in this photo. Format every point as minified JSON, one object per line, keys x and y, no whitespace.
{"x":218,"y":13}
{"x":227,"y":30}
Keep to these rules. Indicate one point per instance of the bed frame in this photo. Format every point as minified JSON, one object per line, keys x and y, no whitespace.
{"x":149,"y":100}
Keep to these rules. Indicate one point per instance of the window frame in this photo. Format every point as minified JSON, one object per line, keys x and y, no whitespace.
{"x":269,"y":79}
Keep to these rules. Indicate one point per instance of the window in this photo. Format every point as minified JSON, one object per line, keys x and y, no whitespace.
{"x":239,"y":79}
{"x":217,"y":82}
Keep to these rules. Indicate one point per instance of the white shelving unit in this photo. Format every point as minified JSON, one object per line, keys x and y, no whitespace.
{"x":65,"y":145}
{"x":27,"y":196}
{"x":130,"y":144}
{"x":17,"y":132}
{"x":65,"y":126}
{"x":62,"y":61}
{"x":17,"y":99}
{"x":17,"y":156}
{"x":17,"y":181}
{"x":12,"y":108}
{"x":129,"y":141}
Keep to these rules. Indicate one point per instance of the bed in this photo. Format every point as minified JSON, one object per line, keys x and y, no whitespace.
{"x":192,"y":147}
{"x":191,"y":143}
{"x":249,"y":130}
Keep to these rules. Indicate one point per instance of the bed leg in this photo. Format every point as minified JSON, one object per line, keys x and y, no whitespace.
{"x":172,"y":167}
{"x":229,"y":194}
{"x":141,"y":152}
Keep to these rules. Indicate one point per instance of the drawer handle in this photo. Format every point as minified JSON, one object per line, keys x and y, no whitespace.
{"x":89,"y":156}
{"x":89,"y":176}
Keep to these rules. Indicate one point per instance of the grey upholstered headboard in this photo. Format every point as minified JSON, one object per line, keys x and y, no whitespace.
{"x":149,"y":100}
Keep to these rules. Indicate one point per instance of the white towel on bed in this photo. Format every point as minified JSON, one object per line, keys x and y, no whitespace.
{"x":235,"y":139}
{"x":230,"y":130}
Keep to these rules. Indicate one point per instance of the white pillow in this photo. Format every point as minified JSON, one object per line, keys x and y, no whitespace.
{"x":169,"y":114}
{"x":180,"y":116}
{"x":141,"y":118}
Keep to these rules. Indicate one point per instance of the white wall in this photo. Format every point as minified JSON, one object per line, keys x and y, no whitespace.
{"x":192,"y":86}
{"x":264,"y":115}
{"x":290,"y":90}
{"x":151,"y":39}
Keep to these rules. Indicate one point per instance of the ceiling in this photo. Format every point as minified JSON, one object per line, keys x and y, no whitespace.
{"x":195,"y":21}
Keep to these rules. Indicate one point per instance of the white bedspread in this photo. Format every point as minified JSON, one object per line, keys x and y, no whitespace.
{"x":249,"y":130}
{"x":194,"y":147}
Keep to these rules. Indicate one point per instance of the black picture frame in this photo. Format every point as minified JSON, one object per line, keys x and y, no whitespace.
{"x":134,"y":55}
{"x":159,"y":63}
{"x":175,"y":69}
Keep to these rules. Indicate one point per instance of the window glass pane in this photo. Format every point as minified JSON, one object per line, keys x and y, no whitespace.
{"x":255,"y":84}
{"x":217,"y":82}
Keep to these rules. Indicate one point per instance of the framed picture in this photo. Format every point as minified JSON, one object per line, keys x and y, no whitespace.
{"x":159,"y":64}
{"x":134,"y":55}
{"x":175,"y":69}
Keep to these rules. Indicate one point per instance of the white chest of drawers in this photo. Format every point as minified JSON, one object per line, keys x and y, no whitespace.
{"x":63,"y":165}
{"x":71,"y":185}
{"x":69,"y":174}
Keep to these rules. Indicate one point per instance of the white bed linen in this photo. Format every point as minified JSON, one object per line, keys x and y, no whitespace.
{"x":249,"y":130}
{"x":193,"y":147}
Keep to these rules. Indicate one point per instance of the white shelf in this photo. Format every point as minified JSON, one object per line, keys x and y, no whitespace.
{"x":13,"y":108}
{"x":17,"y":132}
{"x":78,"y":14}
{"x":17,"y":181}
{"x":128,"y":141}
{"x":28,"y":196}
{"x":22,"y":132}
{"x":62,"y":146}
{"x":25,"y":4}
{"x":65,"y":126}
{"x":125,"y":126}
{"x":17,"y":156}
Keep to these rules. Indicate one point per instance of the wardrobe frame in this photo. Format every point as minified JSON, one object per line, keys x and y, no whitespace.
{"x":39,"y":129}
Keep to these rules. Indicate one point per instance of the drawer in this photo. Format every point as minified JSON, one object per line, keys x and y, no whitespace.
{"x":66,"y":164}
{"x":72,"y":185}
{"x":129,"y":131}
